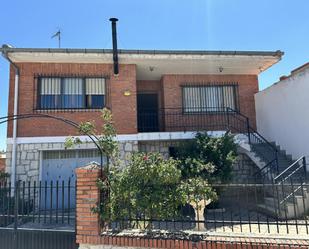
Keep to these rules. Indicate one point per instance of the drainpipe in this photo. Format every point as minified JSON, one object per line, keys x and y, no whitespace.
{"x":5,"y":49}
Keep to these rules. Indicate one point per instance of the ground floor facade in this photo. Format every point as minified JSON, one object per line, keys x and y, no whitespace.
{"x":47,"y":159}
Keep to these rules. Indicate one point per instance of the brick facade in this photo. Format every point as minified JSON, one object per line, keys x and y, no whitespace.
{"x":123,"y":107}
{"x":88,"y":233}
{"x":247,"y":86}
{"x":2,"y":164}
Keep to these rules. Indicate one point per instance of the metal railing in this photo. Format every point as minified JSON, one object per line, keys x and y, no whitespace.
{"x":48,"y":205}
{"x":239,"y":208}
{"x":298,"y":167}
{"x":210,"y":119}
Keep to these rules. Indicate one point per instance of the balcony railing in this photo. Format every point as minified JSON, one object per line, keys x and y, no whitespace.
{"x":191,"y":119}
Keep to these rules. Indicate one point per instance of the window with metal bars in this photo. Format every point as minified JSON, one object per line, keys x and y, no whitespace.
{"x":71,"y":93}
{"x":210,"y":98}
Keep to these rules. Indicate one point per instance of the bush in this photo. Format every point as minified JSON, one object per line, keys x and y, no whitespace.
{"x":151,"y":187}
{"x":208,"y":157}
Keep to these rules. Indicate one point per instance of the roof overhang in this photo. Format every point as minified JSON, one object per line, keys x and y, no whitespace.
{"x":152,"y":64}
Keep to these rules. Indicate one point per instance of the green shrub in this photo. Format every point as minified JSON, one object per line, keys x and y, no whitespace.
{"x":151,"y":187}
{"x":208,"y":157}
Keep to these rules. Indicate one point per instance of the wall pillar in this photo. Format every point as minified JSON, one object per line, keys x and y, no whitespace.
{"x":87,"y":197}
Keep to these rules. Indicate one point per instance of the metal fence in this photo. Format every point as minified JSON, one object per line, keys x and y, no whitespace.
{"x":38,"y":205}
{"x":240,"y":208}
{"x":37,"y":215}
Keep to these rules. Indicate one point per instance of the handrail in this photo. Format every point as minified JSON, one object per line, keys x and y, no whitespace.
{"x":266,"y":166}
{"x":289,"y":177}
{"x":291,"y":194}
{"x":288,"y":168}
{"x":264,"y":139}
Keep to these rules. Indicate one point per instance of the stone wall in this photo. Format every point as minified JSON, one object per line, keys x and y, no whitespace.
{"x":29,"y":156}
{"x":244,"y":169}
{"x":156,"y":146}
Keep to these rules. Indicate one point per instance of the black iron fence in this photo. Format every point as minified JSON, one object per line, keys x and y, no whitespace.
{"x":37,"y":215}
{"x":38,"y":205}
{"x":238,"y":208}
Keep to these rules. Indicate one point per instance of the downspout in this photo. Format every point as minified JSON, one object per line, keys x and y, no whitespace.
{"x":15,"y":112}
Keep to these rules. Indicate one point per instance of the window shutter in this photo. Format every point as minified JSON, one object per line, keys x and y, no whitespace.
{"x":50,"y":86}
{"x":95,"y":86}
{"x":73,"y":86}
{"x":209,"y":98}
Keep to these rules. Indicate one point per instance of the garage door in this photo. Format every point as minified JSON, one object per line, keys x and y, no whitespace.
{"x":59,"y":166}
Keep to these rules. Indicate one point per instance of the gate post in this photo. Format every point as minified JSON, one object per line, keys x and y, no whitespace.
{"x":87,"y":197}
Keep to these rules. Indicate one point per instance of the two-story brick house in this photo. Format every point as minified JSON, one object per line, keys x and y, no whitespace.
{"x":157,"y":96}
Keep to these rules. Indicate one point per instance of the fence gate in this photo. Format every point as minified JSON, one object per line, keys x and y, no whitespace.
{"x":37,"y":215}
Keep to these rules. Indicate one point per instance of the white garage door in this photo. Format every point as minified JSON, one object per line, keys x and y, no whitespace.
{"x":58,"y":167}
{"x":61,"y":165}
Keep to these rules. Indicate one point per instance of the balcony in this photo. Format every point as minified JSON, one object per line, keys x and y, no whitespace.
{"x":191,"y":119}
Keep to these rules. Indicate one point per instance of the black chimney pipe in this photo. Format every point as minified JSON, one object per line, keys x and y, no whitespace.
{"x":115,"y":50}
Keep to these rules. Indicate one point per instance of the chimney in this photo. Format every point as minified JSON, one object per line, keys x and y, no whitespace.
{"x":115,"y":50}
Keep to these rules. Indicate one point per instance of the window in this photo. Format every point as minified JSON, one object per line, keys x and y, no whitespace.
{"x":211,"y":98}
{"x":71,"y":93}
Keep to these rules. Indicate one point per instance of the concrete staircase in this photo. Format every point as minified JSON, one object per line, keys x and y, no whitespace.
{"x":290,"y":203}
{"x":285,"y":195}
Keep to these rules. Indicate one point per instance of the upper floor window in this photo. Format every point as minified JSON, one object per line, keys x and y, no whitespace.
{"x":71,"y":93}
{"x":210,"y":98}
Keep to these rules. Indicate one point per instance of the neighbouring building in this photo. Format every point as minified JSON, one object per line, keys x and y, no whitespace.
{"x":158,"y":96}
{"x":281,"y":112}
{"x":2,"y":161}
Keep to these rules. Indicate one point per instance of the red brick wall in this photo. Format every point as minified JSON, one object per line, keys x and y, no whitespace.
{"x":123,"y":107}
{"x":247,"y":85}
{"x":2,"y":164}
{"x":87,"y":197}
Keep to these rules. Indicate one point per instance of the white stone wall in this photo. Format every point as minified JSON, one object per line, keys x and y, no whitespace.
{"x":156,"y":146}
{"x":29,"y":156}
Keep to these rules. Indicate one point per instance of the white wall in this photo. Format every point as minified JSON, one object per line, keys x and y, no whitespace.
{"x":283,"y":113}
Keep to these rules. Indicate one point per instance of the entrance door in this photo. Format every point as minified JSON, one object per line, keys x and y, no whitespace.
{"x":147,"y":112}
